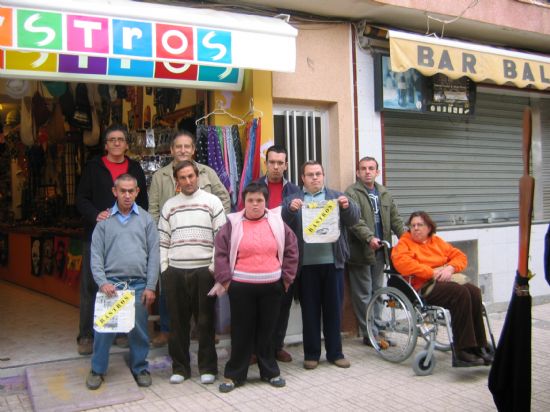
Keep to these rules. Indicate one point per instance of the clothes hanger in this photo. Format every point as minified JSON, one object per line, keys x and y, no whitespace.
{"x":220,"y":110}
{"x":252,"y":110}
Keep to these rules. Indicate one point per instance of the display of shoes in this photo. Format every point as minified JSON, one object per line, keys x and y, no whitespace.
{"x":94,"y":380}
{"x":283,"y":356}
{"x":341,"y":363}
{"x":143,"y":379}
{"x":161,"y":339}
{"x":85,"y":346}
{"x":207,"y":378}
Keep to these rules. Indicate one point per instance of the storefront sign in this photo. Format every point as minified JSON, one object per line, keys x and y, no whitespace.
{"x":67,"y":42}
{"x":456,"y":59}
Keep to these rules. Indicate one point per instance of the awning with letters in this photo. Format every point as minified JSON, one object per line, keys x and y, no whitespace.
{"x":455,"y":59}
{"x":121,"y":41}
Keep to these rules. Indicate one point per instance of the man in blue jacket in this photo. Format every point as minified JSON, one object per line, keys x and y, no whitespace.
{"x":321,"y":277}
{"x":278,"y":187}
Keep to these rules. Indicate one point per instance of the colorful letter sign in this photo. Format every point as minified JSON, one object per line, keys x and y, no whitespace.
{"x":53,"y":45}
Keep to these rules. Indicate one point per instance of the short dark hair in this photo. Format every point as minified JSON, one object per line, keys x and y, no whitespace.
{"x":276,"y":148}
{"x":185,"y":133}
{"x":185,"y":163}
{"x":368,"y":159}
{"x":256,"y":187}
{"x":125,"y":177}
{"x":426,"y":218}
{"x":310,"y":163}
{"x":116,"y":127}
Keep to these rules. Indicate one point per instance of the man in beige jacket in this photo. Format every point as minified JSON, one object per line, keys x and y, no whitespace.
{"x":164,"y":186}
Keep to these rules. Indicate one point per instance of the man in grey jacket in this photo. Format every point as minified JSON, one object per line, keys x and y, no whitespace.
{"x":125,"y":251}
{"x":379,"y":218}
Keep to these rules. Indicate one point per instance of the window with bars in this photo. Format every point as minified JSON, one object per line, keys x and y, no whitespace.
{"x":300,"y":131}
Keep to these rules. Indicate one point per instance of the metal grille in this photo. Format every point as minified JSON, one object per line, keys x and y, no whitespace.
{"x":460,"y":172}
{"x":300,"y":132}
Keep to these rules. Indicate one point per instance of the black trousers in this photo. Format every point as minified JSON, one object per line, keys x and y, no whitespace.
{"x":254,"y":313}
{"x":464,"y":303}
{"x":88,"y":290}
{"x":186,"y":295}
{"x":282,"y":321}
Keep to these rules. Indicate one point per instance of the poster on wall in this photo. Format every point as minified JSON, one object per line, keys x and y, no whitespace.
{"x":4,"y":249}
{"x":451,"y":96}
{"x":35,"y":256}
{"x":60,"y":255}
{"x":47,"y":255}
{"x":404,"y":91}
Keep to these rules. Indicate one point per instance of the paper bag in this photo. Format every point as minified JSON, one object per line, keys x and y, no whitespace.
{"x":116,"y":314}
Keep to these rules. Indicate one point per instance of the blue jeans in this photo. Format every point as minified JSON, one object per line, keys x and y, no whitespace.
{"x":138,"y":337}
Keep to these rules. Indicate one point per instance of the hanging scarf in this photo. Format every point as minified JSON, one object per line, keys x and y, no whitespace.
{"x":215,"y":160}
{"x":202,"y":144}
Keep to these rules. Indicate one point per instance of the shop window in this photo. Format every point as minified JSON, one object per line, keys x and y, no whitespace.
{"x":300,"y":131}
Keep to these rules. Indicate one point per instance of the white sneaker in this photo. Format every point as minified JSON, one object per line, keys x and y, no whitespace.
{"x":207,"y":378}
{"x":175,"y":378}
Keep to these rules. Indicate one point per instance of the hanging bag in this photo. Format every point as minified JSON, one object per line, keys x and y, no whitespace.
{"x":82,"y":116}
{"x":116,"y":314}
{"x":91,"y":137}
{"x":25,"y":130}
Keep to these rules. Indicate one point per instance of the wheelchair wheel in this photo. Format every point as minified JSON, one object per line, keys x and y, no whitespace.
{"x":420,"y":367}
{"x":393,"y":316}
{"x":442,"y":341}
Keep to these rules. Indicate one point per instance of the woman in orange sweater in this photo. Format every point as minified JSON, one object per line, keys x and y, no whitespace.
{"x":432,"y":262}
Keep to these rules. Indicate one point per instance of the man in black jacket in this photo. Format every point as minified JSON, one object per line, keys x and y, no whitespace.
{"x":94,"y":200}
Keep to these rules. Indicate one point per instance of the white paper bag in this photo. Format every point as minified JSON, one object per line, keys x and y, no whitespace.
{"x":321,"y":221}
{"x":116,"y":314}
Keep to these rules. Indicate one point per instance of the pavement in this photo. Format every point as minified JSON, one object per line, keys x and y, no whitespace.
{"x":369,"y":384}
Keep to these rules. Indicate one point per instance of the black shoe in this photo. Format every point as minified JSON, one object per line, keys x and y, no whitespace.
{"x":466,"y":359}
{"x":366,"y":341}
{"x":143,"y":379}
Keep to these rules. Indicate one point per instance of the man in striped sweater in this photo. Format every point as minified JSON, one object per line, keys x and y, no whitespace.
{"x":187,"y":226}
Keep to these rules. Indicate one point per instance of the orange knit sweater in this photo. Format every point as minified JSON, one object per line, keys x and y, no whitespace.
{"x":419,"y":259}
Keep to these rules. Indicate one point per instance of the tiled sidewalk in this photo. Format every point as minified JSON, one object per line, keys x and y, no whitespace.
{"x":370,"y":384}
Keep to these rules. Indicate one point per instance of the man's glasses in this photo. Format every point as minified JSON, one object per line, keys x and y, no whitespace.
{"x":310,"y":175}
{"x":116,"y":140}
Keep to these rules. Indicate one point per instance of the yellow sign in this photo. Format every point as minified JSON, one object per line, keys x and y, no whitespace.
{"x":455,"y":59}
{"x":321,"y":216}
{"x":113,"y":310}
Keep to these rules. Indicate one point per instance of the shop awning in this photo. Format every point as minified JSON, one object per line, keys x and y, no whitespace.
{"x":126,"y":41}
{"x":455,"y":59}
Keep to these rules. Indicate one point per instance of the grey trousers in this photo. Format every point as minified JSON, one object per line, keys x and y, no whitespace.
{"x":364,"y":281}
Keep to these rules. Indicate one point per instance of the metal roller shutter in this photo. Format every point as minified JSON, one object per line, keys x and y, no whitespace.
{"x":545,"y":139}
{"x":459,"y":171}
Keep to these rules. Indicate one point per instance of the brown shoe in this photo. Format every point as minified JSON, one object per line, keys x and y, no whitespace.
{"x":160,"y":340}
{"x":253,"y":359}
{"x":342,"y":363}
{"x":464,"y":358}
{"x":283,"y":356}
{"x":310,"y":364}
{"x":85,"y":346}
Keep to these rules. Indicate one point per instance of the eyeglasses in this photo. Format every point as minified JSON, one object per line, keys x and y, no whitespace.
{"x":116,"y":140}
{"x":317,"y":174}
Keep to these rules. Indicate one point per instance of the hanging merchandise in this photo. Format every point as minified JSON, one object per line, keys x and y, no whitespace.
{"x":215,"y":160}
{"x":201,"y":154}
{"x":251,"y":163}
{"x":25,"y":130}
{"x":66,"y":100}
{"x":40,"y":111}
{"x":56,"y":125}
{"x":82,"y":116}
{"x":91,"y":137}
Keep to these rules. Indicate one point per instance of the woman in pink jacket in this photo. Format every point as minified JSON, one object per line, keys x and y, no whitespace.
{"x":255,"y":260}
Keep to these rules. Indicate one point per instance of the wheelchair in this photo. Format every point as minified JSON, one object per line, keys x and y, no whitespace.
{"x":397,"y":317}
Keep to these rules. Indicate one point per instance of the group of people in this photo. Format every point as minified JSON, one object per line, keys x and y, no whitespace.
{"x":258,"y":256}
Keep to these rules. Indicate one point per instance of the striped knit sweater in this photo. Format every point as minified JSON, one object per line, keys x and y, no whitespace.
{"x":187,"y":227}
